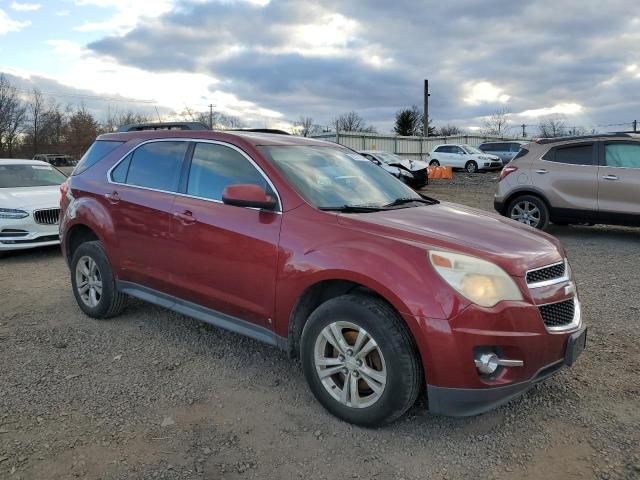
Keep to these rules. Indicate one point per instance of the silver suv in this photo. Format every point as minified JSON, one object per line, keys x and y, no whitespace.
{"x":505,"y":150}
{"x":591,"y":179}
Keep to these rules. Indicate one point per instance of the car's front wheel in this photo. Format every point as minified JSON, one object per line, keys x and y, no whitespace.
{"x":360,"y":361}
{"x":93,"y":282}
{"x":471,"y":167}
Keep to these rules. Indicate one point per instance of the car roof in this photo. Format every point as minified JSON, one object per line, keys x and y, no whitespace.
{"x":252,"y":138}
{"x":21,"y":161}
{"x":504,"y":141}
{"x":600,"y":136}
{"x":373,"y":151}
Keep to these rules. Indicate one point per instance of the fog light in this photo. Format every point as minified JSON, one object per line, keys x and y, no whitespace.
{"x":487,"y":363}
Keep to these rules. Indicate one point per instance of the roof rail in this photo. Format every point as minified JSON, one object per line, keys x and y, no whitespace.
{"x":259,"y":130}
{"x":544,"y":141}
{"x":138,"y":127}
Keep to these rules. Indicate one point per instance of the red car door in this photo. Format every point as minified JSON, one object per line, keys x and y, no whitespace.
{"x":141,"y":197}
{"x":226,"y":256}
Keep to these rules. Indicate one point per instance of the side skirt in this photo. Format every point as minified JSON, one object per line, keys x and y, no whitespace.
{"x":203,"y":314}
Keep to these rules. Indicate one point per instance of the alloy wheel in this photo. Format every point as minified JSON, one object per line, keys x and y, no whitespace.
{"x":88,"y":281}
{"x":527,"y":213}
{"x":350,"y":364}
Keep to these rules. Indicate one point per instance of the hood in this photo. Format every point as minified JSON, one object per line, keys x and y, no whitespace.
{"x":489,"y":155}
{"x":411,"y":165}
{"x":30,"y":198}
{"x":513,"y":246}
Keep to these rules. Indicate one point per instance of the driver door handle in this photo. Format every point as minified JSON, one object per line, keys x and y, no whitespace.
{"x":542,"y":171}
{"x":610,"y":177}
{"x":185,"y":217}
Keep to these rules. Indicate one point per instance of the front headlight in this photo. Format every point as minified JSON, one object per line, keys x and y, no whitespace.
{"x":482,"y":282}
{"x":13,"y":214}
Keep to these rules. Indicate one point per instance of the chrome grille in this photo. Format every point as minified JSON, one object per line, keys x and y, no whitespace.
{"x":50,"y":216}
{"x":544,"y":274}
{"x":558,"y":314}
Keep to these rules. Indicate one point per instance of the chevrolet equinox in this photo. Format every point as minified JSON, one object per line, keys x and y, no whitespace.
{"x":305,"y":245}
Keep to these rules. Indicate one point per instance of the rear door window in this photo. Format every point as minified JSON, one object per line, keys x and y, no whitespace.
{"x":582,"y":154}
{"x":622,"y":155}
{"x":156,"y":165}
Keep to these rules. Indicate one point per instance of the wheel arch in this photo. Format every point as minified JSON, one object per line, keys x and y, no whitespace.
{"x":77,"y":235}
{"x":521,"y":192}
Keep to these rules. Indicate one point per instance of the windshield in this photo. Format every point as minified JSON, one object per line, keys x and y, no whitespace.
{"x":470,"y":149}
{"x":333,"y":178}
{"x":388,"y":157}
{"x":15,"y":176}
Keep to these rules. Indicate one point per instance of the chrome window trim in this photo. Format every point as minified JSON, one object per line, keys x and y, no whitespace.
{"x":195,"y":140}
{"x":575,"y":323}
{"x":553,"y":281}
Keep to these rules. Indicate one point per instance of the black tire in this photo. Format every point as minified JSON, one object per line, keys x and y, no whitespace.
{"x":404,"y":378}
{"x":111,"y":301}
{"x":434,"y":163}
{"x":543,"y":220}
{"x":471,"y":167}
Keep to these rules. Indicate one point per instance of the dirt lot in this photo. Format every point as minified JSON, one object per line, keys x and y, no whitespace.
{"x":153,"y":394}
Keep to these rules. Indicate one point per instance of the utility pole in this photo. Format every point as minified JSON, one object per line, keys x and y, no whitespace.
{"x":211,"y":116}
{"x":524,"y":132}
{"x":635,"y":126}
{"x":425,"y":126}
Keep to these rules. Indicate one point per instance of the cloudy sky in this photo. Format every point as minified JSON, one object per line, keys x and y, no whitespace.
{"x":273,"y":61}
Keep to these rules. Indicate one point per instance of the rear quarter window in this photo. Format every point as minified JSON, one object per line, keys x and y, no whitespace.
{"x":99,"y":150}
{"x":571,"y":155}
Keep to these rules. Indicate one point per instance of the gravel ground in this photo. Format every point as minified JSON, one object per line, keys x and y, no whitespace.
{"x":153,"y":394}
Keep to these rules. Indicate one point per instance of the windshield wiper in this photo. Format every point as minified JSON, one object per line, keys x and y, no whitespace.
{"x":353,"y":208}
{"x":405,"y":200}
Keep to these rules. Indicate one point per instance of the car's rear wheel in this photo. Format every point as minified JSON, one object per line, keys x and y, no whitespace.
{"x":360,"y":361}
{"x":471,"y":167}
{"x":93,"y":282}
{"x":434,"y":163}
{"x":529,"y":210}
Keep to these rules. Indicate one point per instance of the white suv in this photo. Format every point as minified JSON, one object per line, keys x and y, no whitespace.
{"x":464,"y":156}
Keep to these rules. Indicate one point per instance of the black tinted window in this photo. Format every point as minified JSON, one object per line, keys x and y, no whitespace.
{"x":214,"y":167}
{"x":498,"y":147}
{"x":515,"y":147}
{"x":97,"y":151}
{"x":157,"y":165}
{"x":575,"y":155}
{"x":442,"y":149}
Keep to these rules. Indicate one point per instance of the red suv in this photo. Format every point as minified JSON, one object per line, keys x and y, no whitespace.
{"x":308,"y":246}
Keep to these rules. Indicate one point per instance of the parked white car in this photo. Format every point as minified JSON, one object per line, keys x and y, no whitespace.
{"x":464,"y":156}
{"x":29,"y":204}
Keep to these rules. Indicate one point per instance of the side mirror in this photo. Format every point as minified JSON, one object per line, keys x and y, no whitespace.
{"x":248,"y":195}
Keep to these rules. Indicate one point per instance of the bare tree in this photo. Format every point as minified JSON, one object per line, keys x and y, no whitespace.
{"x":351,"y":122}
{"x":497,"y":124}
{"x":36,"y":112}
{"x":81,"y":130}
{"x":305,"y":126}
{"x":552,"y":126}
{"x":12,"y":116}
{"x":449,"y":130}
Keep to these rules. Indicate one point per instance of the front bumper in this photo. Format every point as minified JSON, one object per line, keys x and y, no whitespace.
{"x":464,"y":402}
{"x":24,"y":233}
{"x":498,"y":205}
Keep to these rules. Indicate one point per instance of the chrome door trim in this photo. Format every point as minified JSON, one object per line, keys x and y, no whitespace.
{"x":196,"y":140}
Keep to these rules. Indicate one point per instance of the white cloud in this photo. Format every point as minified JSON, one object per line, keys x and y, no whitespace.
{"x":558,"y":109}
{"x":63,"y":13}
{"x":484,"y":92}
{"x":25,"y":7}
{"x":108,"y":78}
{"x":7,"y":24}
{"x":128,"y":13}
